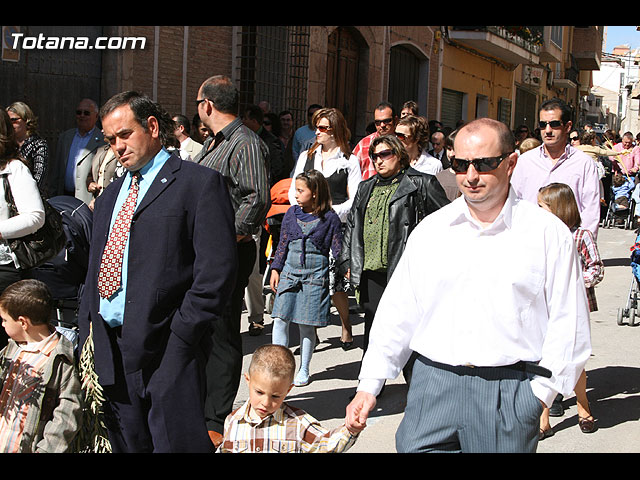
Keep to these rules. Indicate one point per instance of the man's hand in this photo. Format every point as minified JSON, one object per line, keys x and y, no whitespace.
{"x":358,"y":411}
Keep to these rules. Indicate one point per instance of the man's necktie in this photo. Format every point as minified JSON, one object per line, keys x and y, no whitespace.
{"x":111,"y":264}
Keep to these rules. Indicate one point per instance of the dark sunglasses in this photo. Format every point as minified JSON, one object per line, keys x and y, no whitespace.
{"x":382,"y":155}
{"x":552,"y":124}
{"x":574,"y":138}
{"x":83,"y":112}
{"x":481,"y":165}
{"x":386,"y":121}
{"x":402,"y":136}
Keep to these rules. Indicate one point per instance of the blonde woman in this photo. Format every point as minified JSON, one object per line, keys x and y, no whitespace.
{"x":33,"y":148}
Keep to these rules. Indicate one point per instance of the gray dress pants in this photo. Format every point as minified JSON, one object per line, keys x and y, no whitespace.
{"x":469,"y":409}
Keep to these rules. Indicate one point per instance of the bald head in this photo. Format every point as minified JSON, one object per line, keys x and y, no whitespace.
{"x":503,"y":135}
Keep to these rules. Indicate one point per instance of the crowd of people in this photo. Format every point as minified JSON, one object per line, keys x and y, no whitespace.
{"x":177,"y":253}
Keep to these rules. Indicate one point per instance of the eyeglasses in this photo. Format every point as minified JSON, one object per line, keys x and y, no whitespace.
{"x":386,"y":121}
{"x":15,"y":119}
{"x":323,"y":128}
{"x":86,"y":113}
{"x":481,"y":165}
{"x":573,"y":139}
{"x":402,"y":136}
{"x":198,"y":102}
{"x":383,"y":155}
{"x":552,"y":124}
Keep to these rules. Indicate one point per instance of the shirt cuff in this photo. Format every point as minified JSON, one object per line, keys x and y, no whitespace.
{"x":370,"y":385}
{"x":543,"y":393}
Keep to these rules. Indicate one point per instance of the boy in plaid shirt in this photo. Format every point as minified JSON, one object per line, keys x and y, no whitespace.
{"x":265,"y":423}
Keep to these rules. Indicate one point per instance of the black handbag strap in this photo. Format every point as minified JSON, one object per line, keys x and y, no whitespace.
{"x":8,"y":196}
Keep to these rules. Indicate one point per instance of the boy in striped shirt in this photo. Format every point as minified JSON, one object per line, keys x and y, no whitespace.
{"x":40,"y":400}
{"x":266,"y":424}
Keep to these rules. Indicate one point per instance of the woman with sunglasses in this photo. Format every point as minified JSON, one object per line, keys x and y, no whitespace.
{"x":385,"y":210}
{"x":331,"y":155}
{"x":413,"y":132}
{"x":33,"y":148}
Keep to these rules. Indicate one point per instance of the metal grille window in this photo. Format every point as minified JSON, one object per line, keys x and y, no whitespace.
{"x":274,"y":64}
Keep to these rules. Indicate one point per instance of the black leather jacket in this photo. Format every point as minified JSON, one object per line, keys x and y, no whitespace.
{"x":417,"y":196}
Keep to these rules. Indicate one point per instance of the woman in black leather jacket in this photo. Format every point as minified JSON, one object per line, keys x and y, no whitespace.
{"x":385,"y":210}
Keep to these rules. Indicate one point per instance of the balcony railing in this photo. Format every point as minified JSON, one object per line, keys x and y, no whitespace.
{"x":528,"y":38}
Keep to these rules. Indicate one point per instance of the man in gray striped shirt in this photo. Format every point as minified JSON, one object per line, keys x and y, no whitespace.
{"x":241,"y":157}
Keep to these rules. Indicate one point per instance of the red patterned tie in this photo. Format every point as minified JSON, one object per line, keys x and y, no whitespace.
{"x":111,"y":264}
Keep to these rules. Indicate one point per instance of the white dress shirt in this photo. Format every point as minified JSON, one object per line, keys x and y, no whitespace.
{"x":427,"y":164}
{"x":511,"y":291}
{"x":331,"y":165}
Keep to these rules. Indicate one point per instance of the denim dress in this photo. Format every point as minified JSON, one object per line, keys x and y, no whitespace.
{"x":303,"y":291}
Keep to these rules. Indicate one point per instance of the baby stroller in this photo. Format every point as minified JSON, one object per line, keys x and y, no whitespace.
{"x":65,"y":273}
{"x":622,"y":205}
{"x":629,"y":311}
{"x":279,"y":205}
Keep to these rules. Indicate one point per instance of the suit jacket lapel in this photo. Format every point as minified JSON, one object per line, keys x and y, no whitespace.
{"x":165,"y":177}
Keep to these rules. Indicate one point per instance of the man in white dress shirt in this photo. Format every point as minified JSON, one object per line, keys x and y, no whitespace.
{"x":501,"y":324}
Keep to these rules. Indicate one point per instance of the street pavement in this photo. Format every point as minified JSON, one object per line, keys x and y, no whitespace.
{"x":613,"y":373}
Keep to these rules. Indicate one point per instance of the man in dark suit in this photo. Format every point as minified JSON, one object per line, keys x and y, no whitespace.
{"x":71,"y":164}
{"x":439,"y":151}
{"x":152,"y":330}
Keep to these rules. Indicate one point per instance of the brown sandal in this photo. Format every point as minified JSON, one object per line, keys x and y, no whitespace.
{"x":587,"y":425}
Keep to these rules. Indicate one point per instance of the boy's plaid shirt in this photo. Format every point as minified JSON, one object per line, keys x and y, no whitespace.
{"x":287,"y":430}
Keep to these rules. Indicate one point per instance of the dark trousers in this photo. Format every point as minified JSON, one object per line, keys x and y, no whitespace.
{"x":224,"y":366}
{"x":8,"y":274}
{"x":160,"y":408}
{"x":372,"y":288}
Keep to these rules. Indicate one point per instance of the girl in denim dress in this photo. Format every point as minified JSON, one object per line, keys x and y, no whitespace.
{"x":300,"y":269}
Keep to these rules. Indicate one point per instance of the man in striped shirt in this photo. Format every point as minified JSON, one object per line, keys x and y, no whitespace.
{"x":266,"y":424}
{"x":242,"y":158}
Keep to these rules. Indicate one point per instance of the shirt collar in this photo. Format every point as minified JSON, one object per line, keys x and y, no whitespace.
{"x":44,"y":346}
{"x":505,"y":217}
{"x":154,"y":165}
{"x":246,"y":413}
{"x":230,"y":128}
{"x":568,"y":150}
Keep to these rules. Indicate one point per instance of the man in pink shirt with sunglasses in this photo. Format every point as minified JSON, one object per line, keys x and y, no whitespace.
{"x":557,"y":161}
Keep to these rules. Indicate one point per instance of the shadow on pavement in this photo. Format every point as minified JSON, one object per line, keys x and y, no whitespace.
{"x":616,"y":262}
{"x":613,"y":397}
{"x":324,"y":405}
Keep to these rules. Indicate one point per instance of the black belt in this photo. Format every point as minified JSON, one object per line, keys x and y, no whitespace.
{"x":521,"y":366}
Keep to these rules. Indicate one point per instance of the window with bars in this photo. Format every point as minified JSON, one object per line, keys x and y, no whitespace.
{"x":274,"y":64}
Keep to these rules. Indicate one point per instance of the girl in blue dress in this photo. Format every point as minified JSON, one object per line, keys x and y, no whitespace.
{"x":300,"y":268}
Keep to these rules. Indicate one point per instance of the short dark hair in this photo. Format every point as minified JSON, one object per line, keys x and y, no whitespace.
{"x":30,"y":298}
{"x":383,"y":105}
{"x":254,"y":112}
{"x":222,"y":92}
{"x":558,"y":104}
{"x":183,"y":121}
{"x":143,"y":108}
